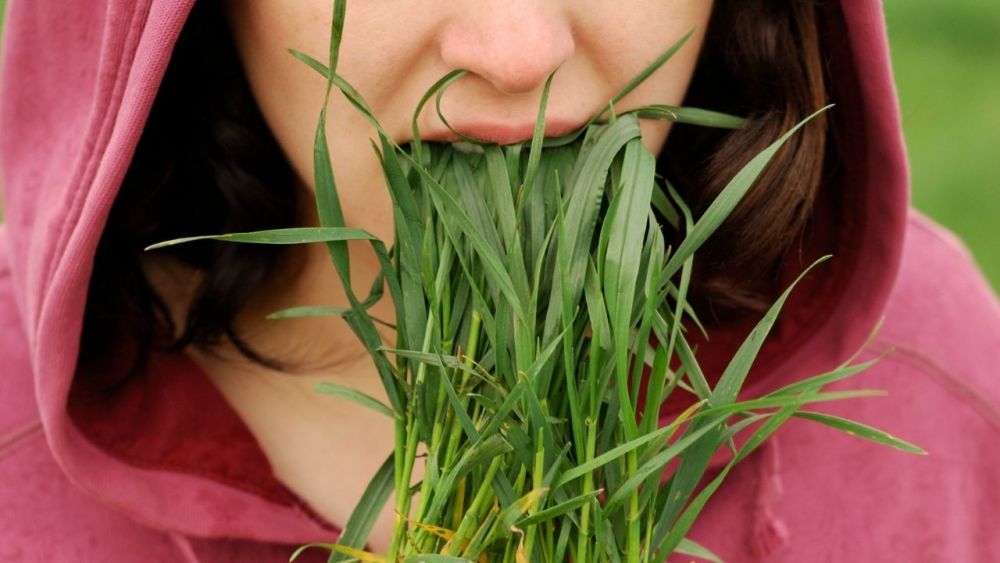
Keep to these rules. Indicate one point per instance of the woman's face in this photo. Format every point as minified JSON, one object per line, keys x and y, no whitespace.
{"x":394,"y":50}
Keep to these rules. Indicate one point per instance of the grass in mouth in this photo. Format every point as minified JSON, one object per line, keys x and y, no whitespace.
{"x":533,"y":290}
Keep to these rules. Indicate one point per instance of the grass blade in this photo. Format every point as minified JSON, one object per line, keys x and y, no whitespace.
{"x":691,"y":116}
{"x":362,"y":519}
{"x":727,"y":200}
{"x":695,"y":549}
{"x":297,"y":235}
{"x":353,"y":395}
{"x":862,"y":431}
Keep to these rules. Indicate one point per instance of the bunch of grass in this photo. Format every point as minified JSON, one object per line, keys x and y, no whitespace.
{"x":533,"y":292}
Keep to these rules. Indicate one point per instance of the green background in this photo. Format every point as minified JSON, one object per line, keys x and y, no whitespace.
{"x":946,"y":55}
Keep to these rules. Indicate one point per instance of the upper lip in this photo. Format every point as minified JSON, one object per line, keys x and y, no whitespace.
{"x":502,"y":133}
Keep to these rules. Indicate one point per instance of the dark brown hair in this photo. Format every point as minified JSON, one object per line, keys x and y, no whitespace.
{"x":761,"y":59}
{"x":207,"y":163}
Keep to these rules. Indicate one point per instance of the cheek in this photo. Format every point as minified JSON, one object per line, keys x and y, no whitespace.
{"x":287,"y":92}
{"x":640,"y":38}
{"x":290,"y":96}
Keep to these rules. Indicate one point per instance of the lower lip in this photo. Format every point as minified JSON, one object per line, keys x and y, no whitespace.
{"x":502,"y":134}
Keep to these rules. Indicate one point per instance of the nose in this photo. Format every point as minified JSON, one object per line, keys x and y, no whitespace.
{"x":514,"y":44}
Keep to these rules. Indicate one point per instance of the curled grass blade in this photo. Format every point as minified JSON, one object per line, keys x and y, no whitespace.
{"x":689,"y":115}
{"x":438,"y":86}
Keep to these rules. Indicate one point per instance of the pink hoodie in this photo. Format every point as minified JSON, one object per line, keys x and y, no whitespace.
{"x":169,"y":472}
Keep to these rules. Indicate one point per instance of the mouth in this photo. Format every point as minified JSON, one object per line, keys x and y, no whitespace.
{"x":500,"y":133}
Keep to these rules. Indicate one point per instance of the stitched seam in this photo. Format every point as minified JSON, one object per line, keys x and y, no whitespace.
{"x":99,"y":119}
{"x":955,"y":386}
{"x":20,"y":435}
{"x":99,"y":136}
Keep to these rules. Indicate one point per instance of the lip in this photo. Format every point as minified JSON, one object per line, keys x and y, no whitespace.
{"x":501,"y":133}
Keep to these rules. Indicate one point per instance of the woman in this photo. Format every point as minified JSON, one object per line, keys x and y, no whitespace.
{"x":151,"y":413}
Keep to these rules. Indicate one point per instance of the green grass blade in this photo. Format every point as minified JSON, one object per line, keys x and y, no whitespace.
{"x":501,"y":195}
{"x":433,"y":359}
{"x":615,"y":453}
{"x":409,"y":228}
{"x":624,"y":259}
{"x":558,"y":509}
{"x":336,"y":33}
{"x":319,"y":311}
{"x":309,"y":311}
{"x":537,"y":139}
{"x":311,"y":63}
{"x":736,"y":371}
{"x":327,"y":200}
{"x":362,"y":519}
{"x":780,"y":401}
{"x":695,"y":549}
{"x":646,"y":72}
{"x":297,"y":235}
{"x":658,"y":462}
{"x":823,"y":379}
{"x":693,"y":370}
{"x":473,"y":457}
{"x":493,"y":265}
{"x":441,"y":84}
{"x":727,"y":200}
{"x":581,"y":214}
{"x":462,"y":184}
{"x":664,"y":542}
{"x":436,"y":558}
{"x":357,"y":397}
{"x":691,"y":116}
{"x":862,"y":431}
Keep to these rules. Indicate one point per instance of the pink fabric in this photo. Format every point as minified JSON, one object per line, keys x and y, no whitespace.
{"x":81,"y":485}
{"x":851,"y":500}
{"x":70,"y":116}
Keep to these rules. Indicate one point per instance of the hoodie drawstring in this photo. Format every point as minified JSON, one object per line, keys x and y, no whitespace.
{"x":768,"y":533}
{"x":184,"y":545}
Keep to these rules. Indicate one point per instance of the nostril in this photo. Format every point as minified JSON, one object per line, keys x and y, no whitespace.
{"x":515,"y":52}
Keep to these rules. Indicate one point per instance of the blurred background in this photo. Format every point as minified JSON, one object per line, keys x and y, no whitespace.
{"x":947,"y":61}
{"x":946,"y":55}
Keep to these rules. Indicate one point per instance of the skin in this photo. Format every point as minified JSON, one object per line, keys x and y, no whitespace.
{"x":393,"y":50}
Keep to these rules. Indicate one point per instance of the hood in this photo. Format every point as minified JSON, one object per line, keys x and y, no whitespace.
{"x":72,"y":109}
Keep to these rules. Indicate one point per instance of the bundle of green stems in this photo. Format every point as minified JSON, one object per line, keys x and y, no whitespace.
{"x":535,"y":294}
